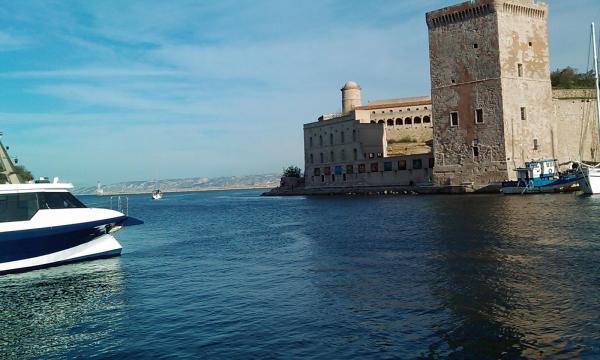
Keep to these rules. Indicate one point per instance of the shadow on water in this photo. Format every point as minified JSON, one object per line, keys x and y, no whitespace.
{"x":507,"y":271}
{"x":58,"y":310}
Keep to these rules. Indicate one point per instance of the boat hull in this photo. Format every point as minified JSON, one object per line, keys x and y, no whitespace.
{"x":101,"y":246}
{"x":590,"y":181}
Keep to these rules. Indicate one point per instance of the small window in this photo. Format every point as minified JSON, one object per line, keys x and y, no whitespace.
{"x":379,"y":155}
{"x":342,"y":137}
{"x":479,"y":116}
{"x":320,"y":140}
{"x":426,"y":119}
{"x":425,"y":107}
{"x":523,"y":113}
{"x":311,"y":141}
{"x":387,"y":166}
{"x":349,"y":169}
{"x":401,"y":164}
{"x":317,"y":171}
{"x":475,"y":46}
{"x":453,"y":81}
{"x":535,"y":144}
{"x":322,"y":178}
{"x":417,"y":164}
{"x":454,"y":118}
{"x":361,"y":168}
{"x":355,"y":155}
{"x":431,"y":163}
{"x":331,"y":139}
{"x":475,"y":151}
{"x":520,"y":70}
{"x":371,"y":155}
{"x":312,"y":160}
{"x":374,"y":167}
{"x":331,"y":156}
{"x":353,"y":135}
{"x":344,"y":177}
{"x":530,"y":44}
{"x":343,"y":154}
{"x":321,"y":157}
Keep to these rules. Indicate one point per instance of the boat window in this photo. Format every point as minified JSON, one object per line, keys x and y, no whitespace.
{"x":18,"y":207}
{"x":58,"y":200}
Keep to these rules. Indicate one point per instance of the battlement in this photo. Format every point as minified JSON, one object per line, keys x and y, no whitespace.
{"x":478,"y":8}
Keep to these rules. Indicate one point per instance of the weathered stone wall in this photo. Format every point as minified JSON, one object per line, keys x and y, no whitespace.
{"x":526,"y":87}
{"x":574,"y":125}
{"x":465,"y":76}
{"x":491,"y":56}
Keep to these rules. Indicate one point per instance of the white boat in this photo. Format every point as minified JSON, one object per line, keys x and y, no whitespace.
{"x":157,"y":194}
{"x":590,"y":181}
{"x":42,"y":224}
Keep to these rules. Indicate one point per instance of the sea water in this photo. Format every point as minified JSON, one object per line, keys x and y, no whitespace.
{"x":230,"y":274}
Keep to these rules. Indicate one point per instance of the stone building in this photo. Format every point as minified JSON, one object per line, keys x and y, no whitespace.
{"x":383,"y":143}
{"x":491,"y":109}
{"x":491,"y":90}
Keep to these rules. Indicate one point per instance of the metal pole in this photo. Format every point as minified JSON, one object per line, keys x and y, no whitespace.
{"x":596,"y":78}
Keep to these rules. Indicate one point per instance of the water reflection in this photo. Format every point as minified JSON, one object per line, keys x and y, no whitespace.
{"x":57,"y":310}
{"x":501,"y":275}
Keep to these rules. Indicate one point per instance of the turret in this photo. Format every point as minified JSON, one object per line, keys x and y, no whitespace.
{"x":350,"y":96}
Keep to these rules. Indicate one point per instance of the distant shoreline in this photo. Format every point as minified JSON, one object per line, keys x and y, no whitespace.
{"x":212,"y":188}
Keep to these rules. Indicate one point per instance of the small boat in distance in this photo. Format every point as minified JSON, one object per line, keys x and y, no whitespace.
{"x":157,"y":194}
{"x":541,"y":176}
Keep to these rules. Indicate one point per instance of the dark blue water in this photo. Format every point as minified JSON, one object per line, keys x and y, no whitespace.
{"x":233,"y":275}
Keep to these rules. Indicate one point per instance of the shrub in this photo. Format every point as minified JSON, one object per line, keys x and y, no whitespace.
{"x":292,"y":171}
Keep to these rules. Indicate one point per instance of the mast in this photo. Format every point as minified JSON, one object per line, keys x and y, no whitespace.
{"x":596,"y":78}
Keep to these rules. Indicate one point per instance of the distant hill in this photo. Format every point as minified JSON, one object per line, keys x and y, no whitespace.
{"x":188,"y":184}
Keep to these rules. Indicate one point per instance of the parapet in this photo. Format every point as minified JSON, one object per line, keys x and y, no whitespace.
{"x":477,"y":8}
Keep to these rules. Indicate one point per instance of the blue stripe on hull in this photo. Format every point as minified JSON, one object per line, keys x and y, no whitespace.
{"x":105,"y":255}
{"x":26,"y":244}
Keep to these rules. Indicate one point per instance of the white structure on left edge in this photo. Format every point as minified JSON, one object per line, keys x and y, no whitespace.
{"x":383,"y":143}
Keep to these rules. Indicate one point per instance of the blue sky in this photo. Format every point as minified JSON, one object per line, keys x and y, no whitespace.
{"x":133,"y":90}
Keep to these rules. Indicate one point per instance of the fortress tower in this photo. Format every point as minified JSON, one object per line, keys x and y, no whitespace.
{"x":490,"y":89}
{"x":350,"y":96}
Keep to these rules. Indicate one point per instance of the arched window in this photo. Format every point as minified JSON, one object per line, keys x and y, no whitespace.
{"x":355,"y":154}
{"x":331,"y":156}
{"x":321,"y":141}
{"x":321,"y":155}
{"x":426,"y":119}
{"x":381,"y":122}
{"x":417,"y":120}
{"x":353,"y":135}
{"x":373,"y":122}
{"x":390,"y":122}
{"x":407,"y":121}
{"x":342,"y":137}
{"x":331,"y":139}
{"x":398,"y":121}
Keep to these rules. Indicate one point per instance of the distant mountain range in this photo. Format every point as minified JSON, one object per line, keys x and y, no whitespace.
{"x":188,"y":184}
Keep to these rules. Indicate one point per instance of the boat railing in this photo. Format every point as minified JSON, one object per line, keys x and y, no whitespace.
{"x":120,"y":203}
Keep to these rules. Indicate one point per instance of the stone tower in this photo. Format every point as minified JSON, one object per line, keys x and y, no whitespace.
{"x":350,"y":96}
{"x":490,"y":89}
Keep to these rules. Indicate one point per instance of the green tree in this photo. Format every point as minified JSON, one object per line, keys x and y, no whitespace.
{"x":570,"y":78}
{"x":292,"y":171}
{"x":23,"y":174}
